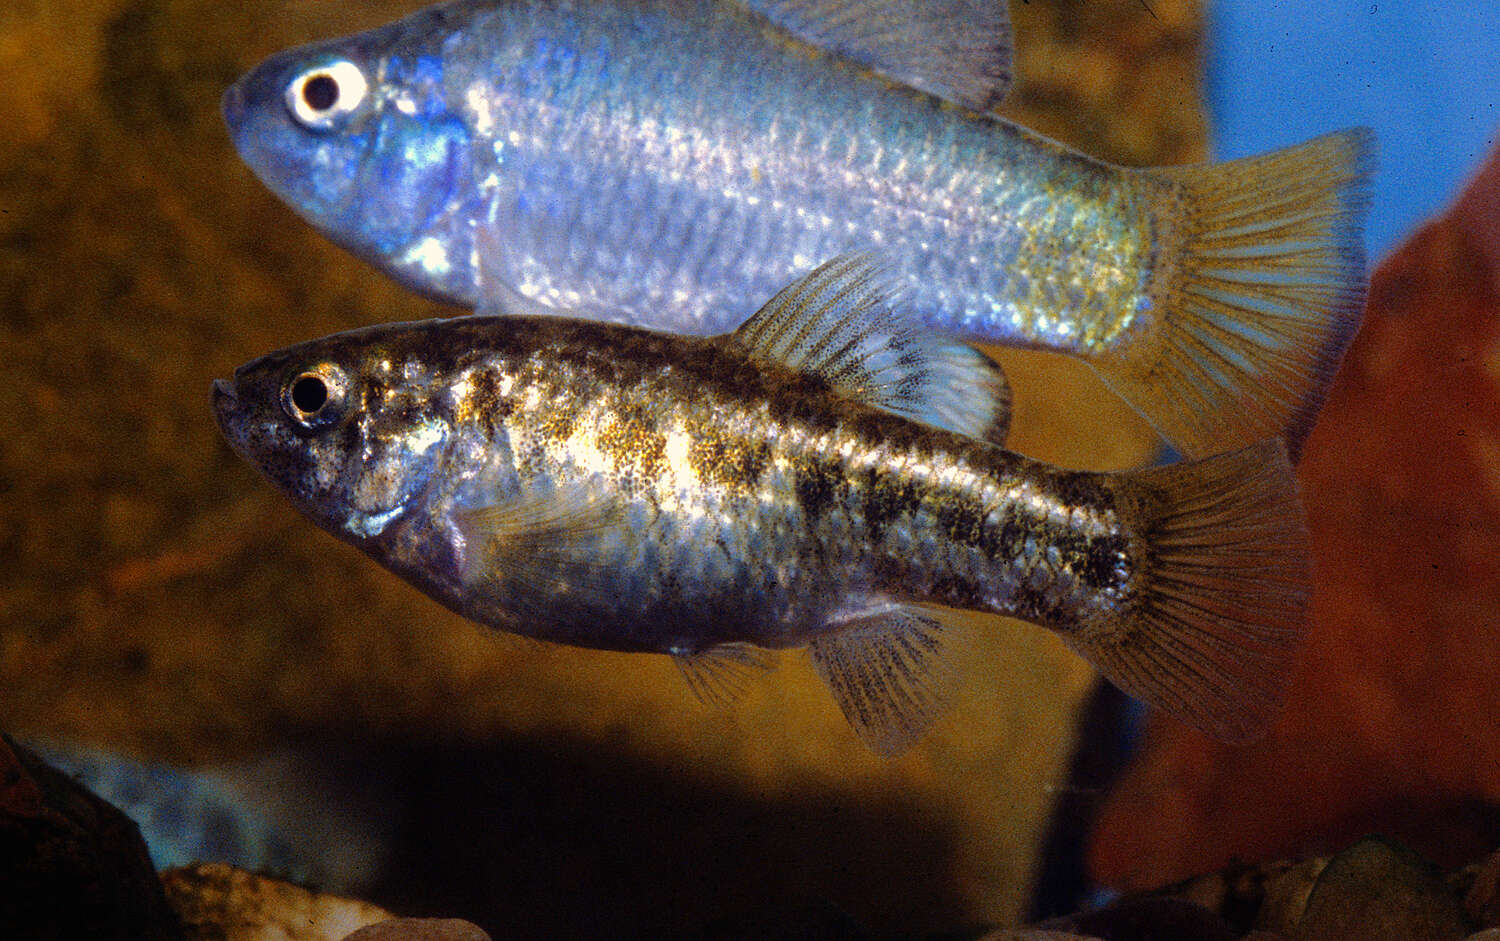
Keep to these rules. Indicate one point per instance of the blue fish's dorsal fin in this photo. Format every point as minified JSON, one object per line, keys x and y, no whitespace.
{"x":891,"y":667}
{"x":840,"y":323}
{"x":958,"y":50}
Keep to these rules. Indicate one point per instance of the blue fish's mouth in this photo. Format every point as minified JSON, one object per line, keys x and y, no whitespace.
{"x":233,"y":107}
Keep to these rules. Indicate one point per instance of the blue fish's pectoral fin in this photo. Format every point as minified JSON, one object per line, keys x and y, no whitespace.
{"x":891,"y":667}
{"x":497,"y":299}
{"x":841,"y":322}
{"x":494,"y":294}
{"x":543,"y":544}
{"x":958,"y":50}
{"x":720,"y":674}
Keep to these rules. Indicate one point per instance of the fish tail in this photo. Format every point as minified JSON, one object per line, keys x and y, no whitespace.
{"x":1260,"y":291}
{"x":1220,"y":601}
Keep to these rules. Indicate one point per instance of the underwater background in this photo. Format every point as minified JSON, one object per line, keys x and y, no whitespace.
{"x":1426,"y":77}
{"x":158,"y":600}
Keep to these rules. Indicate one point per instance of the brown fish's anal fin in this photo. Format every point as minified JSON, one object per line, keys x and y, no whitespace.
{"x":891,"y":668}
{"x":1212,"y":631}
{"x":720,"y":674}
{"x":545,"y":541}
{"x":1259,"y":289}
{"x":841,"y":322}
{"x":959,"y":50}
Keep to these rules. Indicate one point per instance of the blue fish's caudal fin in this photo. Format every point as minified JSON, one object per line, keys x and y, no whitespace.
{"x":1260,"y":289}
{"x":1219,"y":607}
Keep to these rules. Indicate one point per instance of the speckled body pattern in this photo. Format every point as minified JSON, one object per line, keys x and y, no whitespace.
{"x":748,"y":503}
{"x":673,"y":162}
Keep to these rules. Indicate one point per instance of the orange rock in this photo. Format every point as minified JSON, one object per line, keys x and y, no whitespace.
{"x":1391,"y":724}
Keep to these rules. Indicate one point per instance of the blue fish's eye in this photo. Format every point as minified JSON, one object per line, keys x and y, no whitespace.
{"x":314,"y":397}
{"x":323,"y":95}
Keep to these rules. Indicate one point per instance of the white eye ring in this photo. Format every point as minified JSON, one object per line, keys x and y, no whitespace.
{"x":323,"y":95}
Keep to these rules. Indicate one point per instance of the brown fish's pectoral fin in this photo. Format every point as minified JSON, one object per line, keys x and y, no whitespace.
{"x":958,"y":50}
{"x":891,"y":668}
{"x":543,"y":541}
{"x":719,"y":675}
{"x":1258,"y":290}
{"x":841,"y":322}
{"x":1212,"y":630}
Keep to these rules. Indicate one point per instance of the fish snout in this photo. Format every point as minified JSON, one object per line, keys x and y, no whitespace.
{"x":233,"y":106}
{"x":226,"y":403}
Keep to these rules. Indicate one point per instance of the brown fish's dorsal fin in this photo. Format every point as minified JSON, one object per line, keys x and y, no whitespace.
{"x":720,"y":674}
{"x":891,"y":667}
{"x":840,"y":323}
{"x":959,"y":50}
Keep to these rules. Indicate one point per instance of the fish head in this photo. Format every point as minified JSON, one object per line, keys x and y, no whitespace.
{"x":360,"y":141}
{"x":351,"y":430}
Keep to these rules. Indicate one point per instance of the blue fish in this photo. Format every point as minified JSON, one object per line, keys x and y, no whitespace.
{"x":669,"y":163}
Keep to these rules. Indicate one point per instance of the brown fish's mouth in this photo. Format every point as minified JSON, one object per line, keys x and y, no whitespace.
{"x":224,"y":396}
{"x":226,"y":407}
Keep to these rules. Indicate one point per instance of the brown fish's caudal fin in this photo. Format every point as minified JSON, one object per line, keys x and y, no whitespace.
{"x":1260,"y":289}
{"x":1220,"y":605}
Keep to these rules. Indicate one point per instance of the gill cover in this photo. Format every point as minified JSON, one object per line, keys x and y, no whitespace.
{"x":352,"y":449}
{"x":356,"y":135}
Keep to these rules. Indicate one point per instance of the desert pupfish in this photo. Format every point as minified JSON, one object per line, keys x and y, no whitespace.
{"x":827,"y":476}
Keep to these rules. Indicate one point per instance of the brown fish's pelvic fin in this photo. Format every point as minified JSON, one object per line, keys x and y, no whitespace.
{"x":720,"y":674}
{"x":1260,"y":288}
{"x":958,"y":50}
{"x":891,"y":667}
{"x":546,"y":540}
{"x":1212,"y":632}
{"x":841,"y":322}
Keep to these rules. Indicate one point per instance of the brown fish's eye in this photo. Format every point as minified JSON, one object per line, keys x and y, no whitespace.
{"x":321,"y":97}
{"x":309,"y":394}
{"x":312,"y":398}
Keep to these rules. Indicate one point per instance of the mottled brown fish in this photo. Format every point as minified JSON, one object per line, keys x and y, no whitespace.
{"x":825,"y":476}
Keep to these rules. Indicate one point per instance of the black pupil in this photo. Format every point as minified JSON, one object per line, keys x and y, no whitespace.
{"x":320,"y":92}
{"x":309,"y":394}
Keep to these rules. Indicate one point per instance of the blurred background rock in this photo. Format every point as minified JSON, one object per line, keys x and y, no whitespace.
{"x":159,"y":599}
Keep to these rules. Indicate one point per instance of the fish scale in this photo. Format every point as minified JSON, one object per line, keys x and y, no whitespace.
{"x":961,"y":495}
